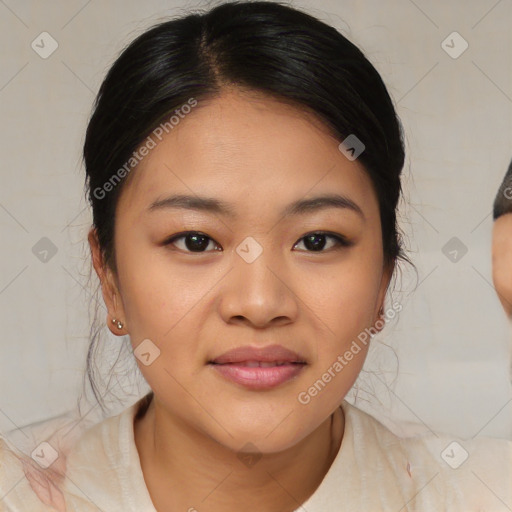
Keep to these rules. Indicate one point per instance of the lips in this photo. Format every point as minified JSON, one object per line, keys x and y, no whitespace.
{"x":259,"y":368}
{"x":274,"y":354}
{"x":260,"y":364}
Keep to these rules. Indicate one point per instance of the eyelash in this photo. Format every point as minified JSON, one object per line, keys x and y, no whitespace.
{"x":340,"y":240}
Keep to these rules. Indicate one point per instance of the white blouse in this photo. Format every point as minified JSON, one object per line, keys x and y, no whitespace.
{"x":374,"y":470}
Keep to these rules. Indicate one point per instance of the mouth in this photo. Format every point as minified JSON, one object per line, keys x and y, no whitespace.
{"x":275,"y":354}
{"x":259,"y":368}
{"x":259,"y":375}
{"x":260,"y":364}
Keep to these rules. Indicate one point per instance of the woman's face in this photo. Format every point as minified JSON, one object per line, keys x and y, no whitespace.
{"x":251,"y":278}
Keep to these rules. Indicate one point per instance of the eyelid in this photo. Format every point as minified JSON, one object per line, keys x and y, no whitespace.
{"x":183,"y":234}
{"x":341,"y":240}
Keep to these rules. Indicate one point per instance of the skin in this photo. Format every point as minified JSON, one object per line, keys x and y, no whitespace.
{"x":502,"y":260}
{"x":260,"y":155}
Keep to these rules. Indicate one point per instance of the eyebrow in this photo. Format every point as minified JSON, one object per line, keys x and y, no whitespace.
{"x":216,"y":206}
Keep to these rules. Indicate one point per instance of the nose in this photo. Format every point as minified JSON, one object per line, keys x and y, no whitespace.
{"x":258,"y":293}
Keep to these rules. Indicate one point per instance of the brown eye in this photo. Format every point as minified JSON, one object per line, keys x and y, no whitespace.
{"x":194,"y":241}
{"x":316,"y":242}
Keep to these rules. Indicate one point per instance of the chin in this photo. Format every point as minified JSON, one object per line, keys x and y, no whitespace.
{"x":254,"y":442}
{"x":264,"y":435}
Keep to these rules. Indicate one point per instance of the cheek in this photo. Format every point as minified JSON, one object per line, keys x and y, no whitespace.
{"x":157,"y":307}
{"x":154,"y":296}
{"x":162,"y":302}
{"x":346,"y":297}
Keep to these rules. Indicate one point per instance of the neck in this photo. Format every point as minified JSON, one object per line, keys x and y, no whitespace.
{"x":210,"y":477}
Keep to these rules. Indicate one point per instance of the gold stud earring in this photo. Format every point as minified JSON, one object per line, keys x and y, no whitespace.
{"x":118,"y":323}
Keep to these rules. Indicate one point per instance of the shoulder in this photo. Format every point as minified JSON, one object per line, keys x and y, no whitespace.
{"x":103,"y":468}
{"x":431,"y":468}
{"x":42,"y":463}
{"x":431,"y":446}
{"x":372,"y":441}
{"x":23,"y":485}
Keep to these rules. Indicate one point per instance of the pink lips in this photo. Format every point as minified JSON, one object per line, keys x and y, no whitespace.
{"x":259,"y":368}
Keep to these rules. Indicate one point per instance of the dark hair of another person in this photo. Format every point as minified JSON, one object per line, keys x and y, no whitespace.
{"x":503,"y":199}
{"x":266,"y":47}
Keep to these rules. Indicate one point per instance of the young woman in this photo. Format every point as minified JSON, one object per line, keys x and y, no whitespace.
{"x":243,"y":168}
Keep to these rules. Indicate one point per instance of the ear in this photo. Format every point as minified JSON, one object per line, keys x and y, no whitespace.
{"x":502,"y":260}
{"x":109,"y":287}
{"x":384,"y":285}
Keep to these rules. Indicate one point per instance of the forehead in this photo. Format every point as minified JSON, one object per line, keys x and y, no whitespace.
{"x":244,"y":146}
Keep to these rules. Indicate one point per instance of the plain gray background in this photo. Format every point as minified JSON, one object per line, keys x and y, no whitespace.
{"x":452,"y":339}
